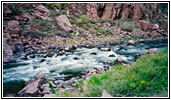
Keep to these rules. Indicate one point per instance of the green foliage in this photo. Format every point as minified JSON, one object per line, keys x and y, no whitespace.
{"x":108,"y":31}
{"x":27,"y":10}
{"x":147,"y":77}
{"x":65,"y":94}
{"x":128,"y":29}
{"x":164,"y":10}
{"x":53,"y":91}
{"x":75,"y":33}
{"x":85,"y":19}
{"x":22,"y":37}
{"x":9,"y":40}
{"x":129,"y":20}
{"x":79,"y":85}
{"x":71,"y":37}
{"x":100,"y":30}
{"x":101,"y":20}
{"x":63,"y":12}
{"x":85,"y":26}
{"x":130,"y":38}
{"x":50,"y":85}
{"x":153,"y":20}
{"x":40,"y":21}
{"x":5,"y":22}
{"x":52,"y":5}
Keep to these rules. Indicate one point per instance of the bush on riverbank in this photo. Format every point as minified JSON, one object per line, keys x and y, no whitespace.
{"x":147,"y":77}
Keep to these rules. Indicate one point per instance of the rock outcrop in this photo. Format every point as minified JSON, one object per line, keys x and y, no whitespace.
{"x":40,"y":12}
{"x":64,"y":22}
{"x":117,"y":10}
{"x":7,"y":51}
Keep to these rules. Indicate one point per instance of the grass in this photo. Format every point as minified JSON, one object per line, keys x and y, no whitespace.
{"x":145,"y":78}
{"x":106,"y":20}
{"x":130,"y":38}
{"x":128,"y":29}
{"x":85,"y":19}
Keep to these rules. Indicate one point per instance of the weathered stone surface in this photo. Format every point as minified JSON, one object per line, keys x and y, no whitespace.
{"x":7,"y":51}
{"x":119,"y":60}
{"x":13,"y":27}
{"x":64,"y":22}
{"x":31,"y":88}
{"x":46,"y":90}
{"x":132,"y":42}
{"x":151,"y":51}
{"x":105,"y":94}
{"x":40,"y":12}
{"x":92,"y":11}
{"x":144,"y":25}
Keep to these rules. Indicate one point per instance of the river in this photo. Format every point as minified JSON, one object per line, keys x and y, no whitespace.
{"x":71,"y":63}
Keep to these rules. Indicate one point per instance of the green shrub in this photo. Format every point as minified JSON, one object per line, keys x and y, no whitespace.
{"x":128,"y":29}
{"x":28,"y":11}
{"x":101,"y":20}
{"x":85,"y":19}
{"x":147,"y":77}
{"x":5,"y":22}
{"x":71,"y":37}
{"x":100,"y":30}
{"x":85,"y":26}
{"x":52,"y":5}
{"x":130,"y":38}
{"x":108,"y":31}
{"x":63,"y":12}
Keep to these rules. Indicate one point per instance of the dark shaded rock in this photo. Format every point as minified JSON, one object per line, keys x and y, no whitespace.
{"x":66,"y":85}
{"x":42,"y":60}
{"x":76,"y":58}
{"x":38,"y":43}
{"x":93,"y":53}
{"x":112,"y":55}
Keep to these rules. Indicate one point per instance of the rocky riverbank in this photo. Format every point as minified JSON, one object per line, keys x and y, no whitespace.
{"x":47,"y":87}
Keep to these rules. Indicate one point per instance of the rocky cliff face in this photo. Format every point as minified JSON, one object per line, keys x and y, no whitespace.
{"x":117,"y":10}
{"x":30,"y":26}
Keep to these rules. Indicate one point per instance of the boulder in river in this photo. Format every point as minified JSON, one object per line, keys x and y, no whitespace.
{"x":112,"y":55}
{"x":119,"y":60}
{"x":93,"y":53}
{"x":131,"y":42}
{"x":105,"y":49}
